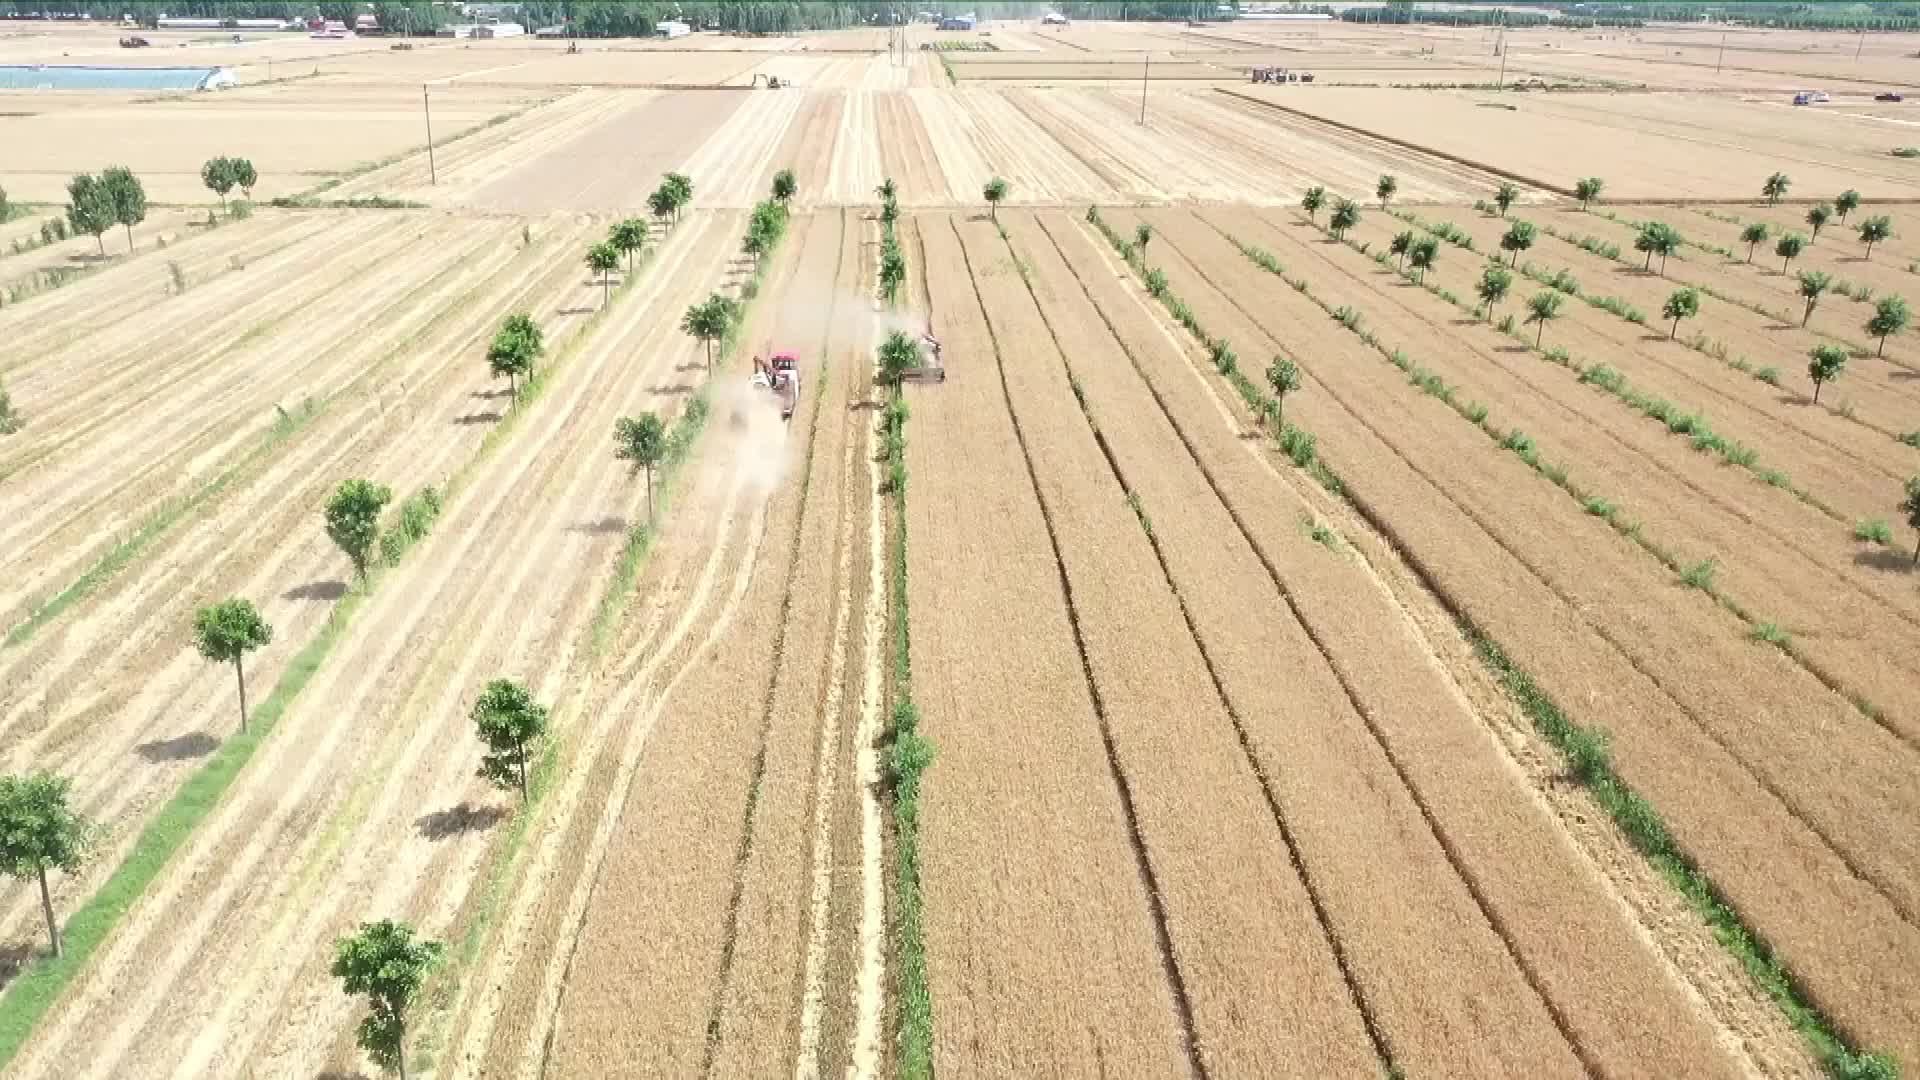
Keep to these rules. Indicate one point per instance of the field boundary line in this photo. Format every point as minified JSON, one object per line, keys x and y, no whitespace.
{"x":1699,"y":576}
{"x":1149,"y":880}
{"x":1585,"y":752}
{"x":35,"y":991}
{"x":1382,"y":1046}
{"x":1404,"y":144}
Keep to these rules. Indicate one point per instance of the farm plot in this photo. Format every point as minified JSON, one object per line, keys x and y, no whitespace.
{"x":113,"y":693}
{"x":130,"y":420}
{"x":1844,"y":462}
{"x":1547,"y":146}
{"x":730,"y":843}
{"x":1693,"y":507}
{"x":1859,"y":417}
{"x":333,"y":823}
{"x":290,"y":143}
{"x":1576,"y":606}
{"x":615,"y":164}
{"x":1314,"y":749}
{"x":735,"y":164}
{"x":977,"y":135}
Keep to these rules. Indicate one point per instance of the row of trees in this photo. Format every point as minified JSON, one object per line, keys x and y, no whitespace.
{"x":98,"y":203}
{"x":222,"y":174}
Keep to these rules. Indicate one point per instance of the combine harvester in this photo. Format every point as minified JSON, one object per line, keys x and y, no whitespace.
{"x":782,"y":376}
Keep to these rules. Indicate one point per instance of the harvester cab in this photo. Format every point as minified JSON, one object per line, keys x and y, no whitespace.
{"x":931,"y":368}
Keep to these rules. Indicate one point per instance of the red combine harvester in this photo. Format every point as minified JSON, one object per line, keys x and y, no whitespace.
{"x":781,"y":375}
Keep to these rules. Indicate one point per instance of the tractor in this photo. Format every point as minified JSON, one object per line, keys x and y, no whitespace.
{"x":781,"y":374}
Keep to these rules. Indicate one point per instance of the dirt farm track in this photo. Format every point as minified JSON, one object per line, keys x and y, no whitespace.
{"x":1353,"y":601}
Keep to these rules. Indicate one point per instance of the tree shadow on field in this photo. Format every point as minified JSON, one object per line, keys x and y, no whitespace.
{"x":671,"y":389}
{"x":14,"y":958}
{"x":316,"y":590}
{"x":605,"y":526}
{"x":1788,"y":397}
{"x":489,"y":395}
{"x":458,"y":820}
{"x":588,"y":310}
{"x":1897,"y":560}
{"x":691,"y":365}
{"x":186,"y":747}
{"x":476,"y":418}
{"x":1903,"y":374}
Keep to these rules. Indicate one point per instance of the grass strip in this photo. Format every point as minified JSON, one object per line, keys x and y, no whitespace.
{"x":1586,"y":756}
{"x":908,"y":760}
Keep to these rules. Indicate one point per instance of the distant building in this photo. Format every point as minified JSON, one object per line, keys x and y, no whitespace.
{"x":672,"y":29}
{"x":1053,"y":18}
{"x":957,"y":22}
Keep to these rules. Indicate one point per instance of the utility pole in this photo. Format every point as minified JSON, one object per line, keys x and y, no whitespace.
{"x":426,"y":103}
{"x":1145,"y":68}
{"x":1502,"y":47}
{"x":1862,"y":45}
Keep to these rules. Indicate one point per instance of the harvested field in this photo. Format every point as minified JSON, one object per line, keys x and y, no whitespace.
{"x":1509,"y":697}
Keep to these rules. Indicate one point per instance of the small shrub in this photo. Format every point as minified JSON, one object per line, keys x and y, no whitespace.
{"x":1506,"y":325}
{"x":1874,"y":531}
{"x":1600,"y":507}
{"x":1476,"y":412}
{"x":1559,"y":355}
{"x":1700,"y":574}
{"x":178,"y":277}
{"x":1347,"y":317}
{"x":1587,"y":755}
{"x":1156,"y":282}
{"x":1564,"y":282}
{"x":1223,"y":359}
{"x":1906,"y":151}
{"x":1771,"y":633}
{"x":241,"y":210}
{"x":1768,"y":375}
{"x":1603,"y":376}
{"x":1521,"y":445}
{"x":1298,"y":445}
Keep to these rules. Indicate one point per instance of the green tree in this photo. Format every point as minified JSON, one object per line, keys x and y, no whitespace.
{"x":1283,"y":376}
{"x":1385,"y":189}
{"x":889,"y":212}
{"x":680,"y":188}
{"x":603,"y":259}
{"x":353,"y":519}
{"x":90,"y":207}
{"x":642,"y":441}
{"x":508,"y":721}
{"x":627,"y":237}
{"x":1827,"y":361}
{"x":899,"y":354}
{"x":38,"y":832}
{"x":1495,"y":281}
{"x":1683,"y":304}
{"x":1313,"y":200}
{"x":1346,"y":214}
{"x":1817,"y":217}
{"x":1909,"y":506}
{"x":1846,"y":203}
{"x":243,"y":175}
{"x":1875,"y":229}
{"x":220,"y":175}
{"x":1519,"y":237}
{"x":1657,"y":238}
{"x":784,"y":186}
{"x":1812,"y":284}
{"x":1142,"y":233}
{"x":1543,"y":308}
{"x":708,"y":321}
{"x":1504,"y":197}
{"x":1890,"y":316}
{"x":387,"y":963}
{"x":1398,"y":247}
{"x":660,"y":203}
{"x":1753,"y":236}
{"x":10,"y":417}
{"x":994,"y":192}
{"x":888,"y":190}
{"x":1789,"y":248}
{"x":516,"y":346}
{"x":1423,"y":254}
{"x":893,"y":271}
{"x":1588,"y":189}
{"x":128,"y":196}
{"x":225,"y":633}
{"x":1776,"y":187}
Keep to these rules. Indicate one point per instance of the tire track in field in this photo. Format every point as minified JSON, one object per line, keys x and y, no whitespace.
{"x":1142,"y":865}
{"x":248,"y":828}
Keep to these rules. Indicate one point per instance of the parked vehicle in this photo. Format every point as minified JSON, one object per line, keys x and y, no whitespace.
{"x":1889,"y":95}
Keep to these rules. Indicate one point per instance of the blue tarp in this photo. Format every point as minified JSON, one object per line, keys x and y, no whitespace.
{"x":76,"y":77}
